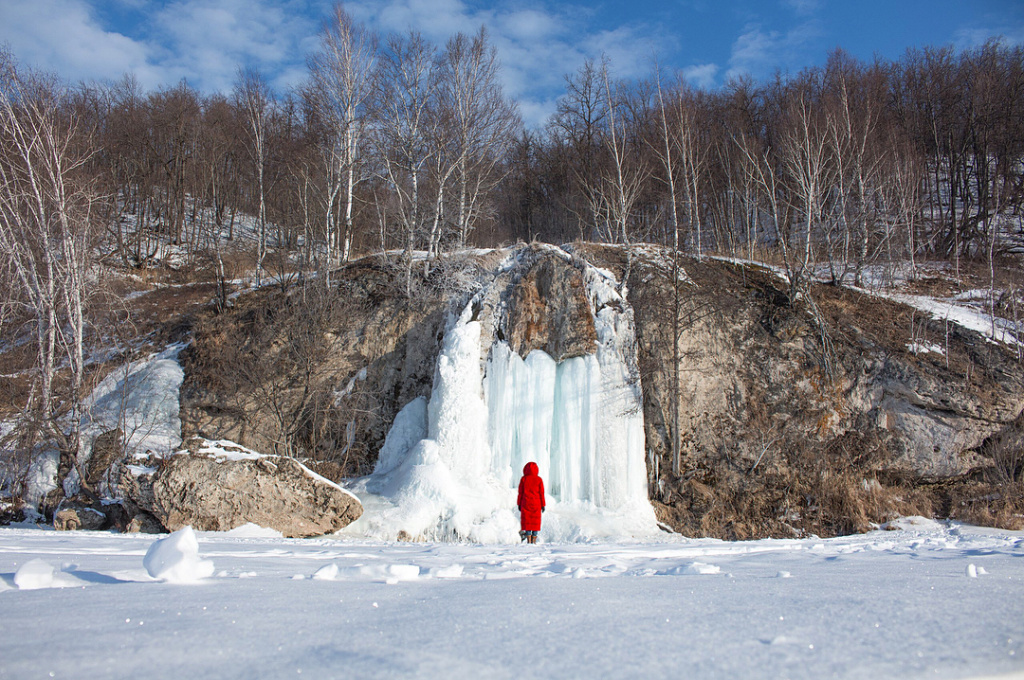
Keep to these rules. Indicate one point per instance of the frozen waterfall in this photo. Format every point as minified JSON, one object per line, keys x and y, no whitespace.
{"x":449,"y":468}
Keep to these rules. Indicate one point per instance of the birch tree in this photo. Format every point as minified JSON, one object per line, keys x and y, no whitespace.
{"x":803,"y":151}
{"x":252,"y":96}
{"x":624,"y":180}
{"x":483,"y":122}
{"x":404,"y":119}
{"x":46,"y":209}
{"x":342,"y":74}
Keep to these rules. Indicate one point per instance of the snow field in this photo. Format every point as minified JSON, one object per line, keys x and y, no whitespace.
{"x":929,"y":600}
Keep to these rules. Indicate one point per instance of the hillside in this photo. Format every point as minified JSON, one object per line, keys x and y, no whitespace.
{"x":792,"y":419}
{"x":823,"y":414}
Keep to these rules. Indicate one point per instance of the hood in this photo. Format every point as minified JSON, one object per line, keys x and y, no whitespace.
{"x":530,"y":469}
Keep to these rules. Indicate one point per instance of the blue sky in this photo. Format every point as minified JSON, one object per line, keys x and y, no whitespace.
{"x":539,"y":41}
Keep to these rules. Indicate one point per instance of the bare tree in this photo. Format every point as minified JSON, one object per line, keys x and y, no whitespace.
{"x":403,"y":139}
{"x":664,"y":150}
{"x":483,"y":121}
{"x":343,"y":73}
{"x":622,"y":183}
{"x":579,"y":124}
{"x":46,"y":209}
{"x":253,"y":98}
{"x":804,"y":154}
{"x":759,"y":166}
{"x":852,"y":111}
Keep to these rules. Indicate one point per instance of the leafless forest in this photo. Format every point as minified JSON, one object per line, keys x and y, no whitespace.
{"x":396,"y":145}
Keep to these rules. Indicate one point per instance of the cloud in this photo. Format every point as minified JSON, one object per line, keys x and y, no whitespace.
{"x":802,"y":7}
{"x":206,"y":41}
{"x":65,"y":36}
{"x":203,"y":41}
{"x":538,"y":44}
{"x":759,"y":53}
{"x":1011,"y":36}
{"x":702,"y":76}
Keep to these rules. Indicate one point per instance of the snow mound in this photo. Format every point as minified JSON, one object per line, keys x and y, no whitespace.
{"x":451,"y":571}
{"x":250,"y":530}
{"x":37,"y":574}
{"x":328,"y":572}
{"x":693,"y":569}
{"x":973,"y":571}
{"x":388,"y":573}
{"x":175,"y":559}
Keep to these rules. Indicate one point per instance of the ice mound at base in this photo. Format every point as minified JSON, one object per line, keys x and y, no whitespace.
{"x":175,"y":559}
{"x":450,"y":466}
{"x":440,"y":487}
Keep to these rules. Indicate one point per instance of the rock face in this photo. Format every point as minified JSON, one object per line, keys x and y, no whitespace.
{"x":818,"y":417}
{"x":549,"y":312}
{"x":790,"y":412}
{"x":74,"y":515}
{"x":217,"y":494}
{"x":325,"y":373}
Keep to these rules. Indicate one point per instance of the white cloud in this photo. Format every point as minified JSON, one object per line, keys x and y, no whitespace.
{"x":702,"y":76}
{"x":64,"y":36}
{"x":206,"y":41}
{"x":975,"y":37}
{"x":203,"y":41}
{"x":759,"y":53}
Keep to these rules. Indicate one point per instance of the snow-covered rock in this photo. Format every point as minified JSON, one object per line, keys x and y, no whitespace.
{"x":222,"y":486}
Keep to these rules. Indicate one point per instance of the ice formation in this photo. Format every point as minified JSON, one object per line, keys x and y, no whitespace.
{"x":449,"y":467}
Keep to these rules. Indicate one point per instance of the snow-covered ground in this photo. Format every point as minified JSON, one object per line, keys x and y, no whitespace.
{"x":928,"y":600}
{"x":968,"y":309}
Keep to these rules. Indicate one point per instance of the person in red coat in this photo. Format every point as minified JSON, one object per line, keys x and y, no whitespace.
{"x":531,"y":502}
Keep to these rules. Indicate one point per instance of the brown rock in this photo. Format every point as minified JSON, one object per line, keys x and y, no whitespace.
{"x":73,"y":516}
{"x":549,"y":311}
{"x":107,"y":449}
{"x":212,"y":494}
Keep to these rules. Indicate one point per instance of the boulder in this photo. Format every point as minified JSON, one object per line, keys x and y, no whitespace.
{"x":74,"y":514}
{"x":218,"y":493}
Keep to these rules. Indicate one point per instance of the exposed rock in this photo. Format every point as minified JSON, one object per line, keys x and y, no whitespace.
{"x":218,"y":494}
{"x":344,"y":363}
{"x":781,"y":401}
{"x":549,"y":311}
{"x":789,"y":415}
{"x":143,"y":523}
{"x":74,"y":515}
{"x":107,"y":451}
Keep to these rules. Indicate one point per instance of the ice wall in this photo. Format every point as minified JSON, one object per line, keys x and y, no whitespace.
{"x":449,"y":468}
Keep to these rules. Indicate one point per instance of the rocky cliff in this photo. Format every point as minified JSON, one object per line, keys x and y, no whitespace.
{"x":790,"y":415}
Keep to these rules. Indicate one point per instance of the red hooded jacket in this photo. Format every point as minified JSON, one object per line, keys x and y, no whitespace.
{"x":531,"y":498}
